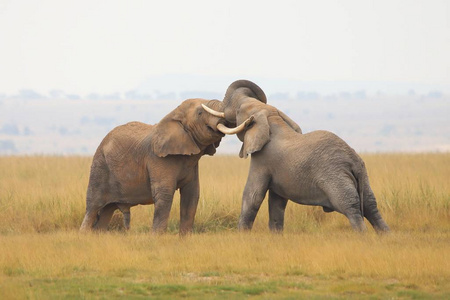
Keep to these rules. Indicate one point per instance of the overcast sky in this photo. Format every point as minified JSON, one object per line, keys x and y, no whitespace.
{"x":113,"y":46}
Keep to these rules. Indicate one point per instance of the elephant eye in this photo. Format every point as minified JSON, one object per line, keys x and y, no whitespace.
{"x":199,"y":112}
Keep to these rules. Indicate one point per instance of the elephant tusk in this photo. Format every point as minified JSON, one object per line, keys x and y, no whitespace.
{"x":225,"y":130}
{"x":213,"y":112}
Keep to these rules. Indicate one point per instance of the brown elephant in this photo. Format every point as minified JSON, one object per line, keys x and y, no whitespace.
{"x":137,"y":163}
{"x":317,"y":168}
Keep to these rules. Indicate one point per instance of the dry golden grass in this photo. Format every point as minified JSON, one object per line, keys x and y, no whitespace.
{"x":422,"y":258}
{"x":42,"y":194}
{"x":42,"y":202}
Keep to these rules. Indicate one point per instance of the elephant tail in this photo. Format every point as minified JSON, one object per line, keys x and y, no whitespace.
{"x":361,"y":178}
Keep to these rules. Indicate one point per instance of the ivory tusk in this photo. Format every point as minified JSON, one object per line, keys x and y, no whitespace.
{"x":213,"y":112}
{"x":225,"y":130}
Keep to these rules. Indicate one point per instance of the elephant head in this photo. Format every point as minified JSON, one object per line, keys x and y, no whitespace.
{"x":238,"y":93}
{"x":190,"y":130}
{"x":245,"y":100}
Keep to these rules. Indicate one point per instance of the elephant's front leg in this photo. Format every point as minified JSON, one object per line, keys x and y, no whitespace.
{"x":254,"y":193}
{"x":277,"y":206}
{"x":162,"y":197}
{"x":188,"y":205}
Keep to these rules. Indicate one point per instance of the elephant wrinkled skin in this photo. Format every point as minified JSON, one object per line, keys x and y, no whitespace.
{"x":317,"y":168}
{"x":138,"y":163}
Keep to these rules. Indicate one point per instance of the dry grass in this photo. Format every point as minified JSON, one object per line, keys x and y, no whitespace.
{"x":42,"y":253}
{"x":422,"y":258}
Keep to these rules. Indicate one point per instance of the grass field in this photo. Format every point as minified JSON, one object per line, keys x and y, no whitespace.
{"x":42,"y":255}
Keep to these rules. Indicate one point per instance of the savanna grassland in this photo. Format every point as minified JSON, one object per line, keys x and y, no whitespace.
{"x":43,"y":256}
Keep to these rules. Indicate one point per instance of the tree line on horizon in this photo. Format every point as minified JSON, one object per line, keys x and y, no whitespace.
{"x":30,"y":94}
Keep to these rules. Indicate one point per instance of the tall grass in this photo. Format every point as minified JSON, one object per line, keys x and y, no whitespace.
{"x":413,"y":190}
{"x":43,"y":194}
{"x":42,"y":203}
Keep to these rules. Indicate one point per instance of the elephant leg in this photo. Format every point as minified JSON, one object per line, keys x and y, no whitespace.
{"x":345,"y":199}
{"x":89,"y":219}
{"x":188,"y":205}
{"x":277,"y":206}
{"x":356,"y":221}
{"x":162,"y":197}
{"x":371,"y":212}
{"x":95,"y":199}
{"x":254,"y":193}
{"x":104,"y":216}
{"x":125,"y":209}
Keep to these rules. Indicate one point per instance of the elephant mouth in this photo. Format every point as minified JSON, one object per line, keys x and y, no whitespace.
{"x":215,"y":131}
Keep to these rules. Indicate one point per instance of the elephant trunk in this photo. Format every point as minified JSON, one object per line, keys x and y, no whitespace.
{"x":237,"y":92}
{"x":252,"y":90}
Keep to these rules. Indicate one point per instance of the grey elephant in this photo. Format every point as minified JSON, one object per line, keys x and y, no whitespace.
{"x":316,"y":168}
{"x":137,"y":163}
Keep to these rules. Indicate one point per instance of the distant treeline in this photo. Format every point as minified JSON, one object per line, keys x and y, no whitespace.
{"x":31,"y":94}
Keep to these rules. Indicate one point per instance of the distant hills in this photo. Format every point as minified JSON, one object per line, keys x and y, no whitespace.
{"x":183,"y":86}
{"x":371,"y":117}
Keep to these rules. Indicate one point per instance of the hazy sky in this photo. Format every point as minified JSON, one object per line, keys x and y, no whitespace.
{"x":107,"y":46}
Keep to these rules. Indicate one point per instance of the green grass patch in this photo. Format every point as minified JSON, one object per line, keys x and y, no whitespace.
{"x":145,"y":288}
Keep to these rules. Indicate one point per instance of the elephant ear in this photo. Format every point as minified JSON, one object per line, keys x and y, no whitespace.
{"x":256,"y":136}
{"x":170,"y":138}
{"x":290,"y":122}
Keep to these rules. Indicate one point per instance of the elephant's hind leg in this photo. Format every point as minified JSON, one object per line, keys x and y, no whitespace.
{"x":125,"y":209}
{"x":104,"y":216}
{"x":356,"y":221}
{"x":89,"y":219}
{"x":345,"y":199}
{"x":96,"y":193}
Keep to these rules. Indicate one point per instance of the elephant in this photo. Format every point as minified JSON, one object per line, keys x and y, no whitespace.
{"x":317,"y":168}
{"x":137,"y":163}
